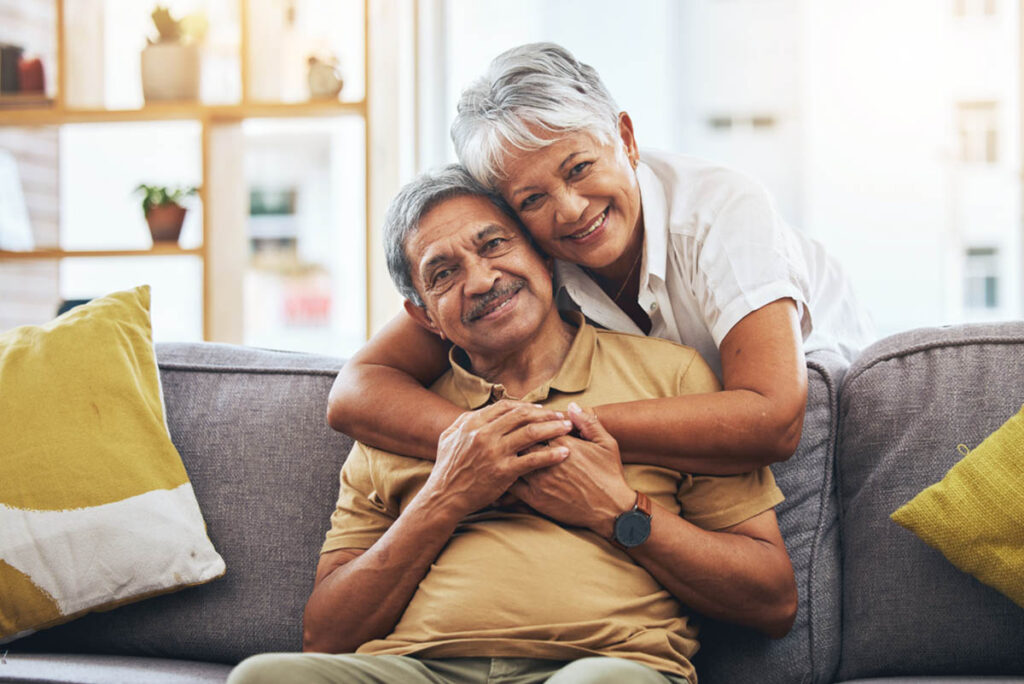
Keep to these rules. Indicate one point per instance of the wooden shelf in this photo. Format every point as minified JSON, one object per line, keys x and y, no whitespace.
{"x":25,"y":100}
{"x":55,"y":116}
{"x":56,"y":253}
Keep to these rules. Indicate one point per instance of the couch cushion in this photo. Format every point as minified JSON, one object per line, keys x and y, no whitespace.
{"x":905,"y":405}
{"x":96,"y":508}
{"x":809,"y":522}
{"x":100,"y":669}
{"x":250,"y":427}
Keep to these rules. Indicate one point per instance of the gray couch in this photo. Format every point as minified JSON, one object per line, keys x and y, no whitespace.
{"x":875,"y":603}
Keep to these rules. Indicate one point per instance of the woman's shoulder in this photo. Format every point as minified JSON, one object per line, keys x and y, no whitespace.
{"x":685,"y":172}
{"x":698,"y":190}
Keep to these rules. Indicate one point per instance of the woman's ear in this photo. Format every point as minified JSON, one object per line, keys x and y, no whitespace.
{"x":419,"y":314}
{"x":628,"y":139}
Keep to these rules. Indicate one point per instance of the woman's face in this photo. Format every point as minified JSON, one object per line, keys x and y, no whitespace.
{"x":578,"y":196}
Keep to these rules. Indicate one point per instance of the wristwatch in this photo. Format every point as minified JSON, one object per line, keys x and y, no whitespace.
{"x":634,"y":526}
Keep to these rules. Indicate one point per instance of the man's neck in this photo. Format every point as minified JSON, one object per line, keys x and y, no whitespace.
{"x":532,"y":364}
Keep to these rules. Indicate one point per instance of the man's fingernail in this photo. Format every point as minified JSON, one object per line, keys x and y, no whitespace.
{"x":573,"y":406}
{"x":567,"y":423}
{"x":563,"y":452}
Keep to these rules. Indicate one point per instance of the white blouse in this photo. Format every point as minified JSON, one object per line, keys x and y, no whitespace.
{"x":716,"y":249}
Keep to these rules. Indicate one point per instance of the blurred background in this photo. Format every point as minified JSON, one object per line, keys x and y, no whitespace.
{"x":889,"y":130}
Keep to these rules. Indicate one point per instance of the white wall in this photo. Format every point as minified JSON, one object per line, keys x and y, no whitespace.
{"x":863,"y":153}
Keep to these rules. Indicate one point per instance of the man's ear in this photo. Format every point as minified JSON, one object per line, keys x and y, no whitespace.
{"x":628,"y":139}
{"x":420,"y":315}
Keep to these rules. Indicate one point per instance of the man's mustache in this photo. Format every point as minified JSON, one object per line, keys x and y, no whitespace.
{"x":484,"y":301}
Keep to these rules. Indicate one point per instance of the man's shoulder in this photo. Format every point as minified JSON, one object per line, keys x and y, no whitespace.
{"x":615,"y":340}
{"x":445,"y":387}
{"x":655,"y":357}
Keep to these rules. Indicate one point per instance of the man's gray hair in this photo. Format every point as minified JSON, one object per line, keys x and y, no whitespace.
{"x":528,"y":93}
{"x":412,"y":203}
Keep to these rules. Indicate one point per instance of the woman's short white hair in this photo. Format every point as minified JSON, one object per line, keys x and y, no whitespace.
{"x":528,"y":93}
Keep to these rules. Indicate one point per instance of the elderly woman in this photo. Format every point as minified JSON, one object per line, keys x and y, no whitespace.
{"x":646,"y":242}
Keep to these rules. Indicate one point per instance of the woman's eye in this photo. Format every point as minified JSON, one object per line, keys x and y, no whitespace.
{"x":579,"y":168}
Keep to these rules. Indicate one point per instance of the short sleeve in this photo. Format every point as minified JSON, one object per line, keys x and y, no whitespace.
{"x":714,"y":502}
{"x":360,"y":517}
{"x":749,"y":257}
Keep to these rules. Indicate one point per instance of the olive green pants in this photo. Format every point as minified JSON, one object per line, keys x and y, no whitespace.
{"x":322,"y":668}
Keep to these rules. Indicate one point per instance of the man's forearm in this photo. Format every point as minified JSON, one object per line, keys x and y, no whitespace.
{"x":364,"y":598}
{"x":738,"y":578}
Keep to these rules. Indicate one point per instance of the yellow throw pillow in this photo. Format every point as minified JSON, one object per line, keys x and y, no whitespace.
{"x":975,"y":514}
{"x":96,"y":508}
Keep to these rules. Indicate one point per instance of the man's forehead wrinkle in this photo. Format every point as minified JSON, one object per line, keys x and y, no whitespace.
{"x":490,"y":230}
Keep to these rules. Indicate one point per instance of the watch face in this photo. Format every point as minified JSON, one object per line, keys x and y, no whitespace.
{"x":632,"y":528}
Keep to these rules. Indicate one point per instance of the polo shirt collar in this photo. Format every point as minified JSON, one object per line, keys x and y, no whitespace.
{"x":573,"y":375}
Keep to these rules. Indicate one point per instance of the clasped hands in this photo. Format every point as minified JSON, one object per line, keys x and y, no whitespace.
{"x":527,"y":451}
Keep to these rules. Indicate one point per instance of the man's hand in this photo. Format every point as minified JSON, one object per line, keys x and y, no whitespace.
{"x":478,"y":456}
{"x":588,"y":489}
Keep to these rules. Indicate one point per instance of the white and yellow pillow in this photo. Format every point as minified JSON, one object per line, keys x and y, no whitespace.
{"x":96,"y":508}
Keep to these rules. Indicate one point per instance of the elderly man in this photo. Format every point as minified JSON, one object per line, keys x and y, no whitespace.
{"x":527,"y":552}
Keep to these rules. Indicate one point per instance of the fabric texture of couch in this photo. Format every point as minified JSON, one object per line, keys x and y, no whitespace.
{"x":876,"y":603}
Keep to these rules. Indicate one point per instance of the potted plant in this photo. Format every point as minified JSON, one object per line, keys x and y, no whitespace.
{"x":163,"y":209}
{"x":170,"y":64}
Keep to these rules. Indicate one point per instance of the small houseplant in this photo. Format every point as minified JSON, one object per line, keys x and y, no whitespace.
{"x":170,"y":64}
{"x":163,"y":210}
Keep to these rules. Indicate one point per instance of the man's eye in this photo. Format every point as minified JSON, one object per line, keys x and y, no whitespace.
{"x":441,"y":276}
{"x":494,"y":243}
{"x":530,"y":201}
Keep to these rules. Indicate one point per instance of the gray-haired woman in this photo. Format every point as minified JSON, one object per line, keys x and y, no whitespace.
{"x":645,"y":242}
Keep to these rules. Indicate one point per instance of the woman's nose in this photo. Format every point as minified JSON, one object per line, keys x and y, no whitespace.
{"x":569,"y":206}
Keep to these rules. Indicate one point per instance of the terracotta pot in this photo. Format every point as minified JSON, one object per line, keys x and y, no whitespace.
{"x":165,"y":222}
{"x":170,"y":71}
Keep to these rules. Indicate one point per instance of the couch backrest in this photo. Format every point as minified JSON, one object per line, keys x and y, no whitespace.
{"x":809,"y":521}
{"x":250,"y":427}
{"x":905,"y":405}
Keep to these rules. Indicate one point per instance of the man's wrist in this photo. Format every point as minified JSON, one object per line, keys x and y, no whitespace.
{"x":440,"y":506}
{"x":621,"y":500}
{"x":632,"y":527}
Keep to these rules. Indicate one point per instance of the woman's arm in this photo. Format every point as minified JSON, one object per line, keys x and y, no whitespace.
{"x":756,"y":420}
{"x":380,"y":396}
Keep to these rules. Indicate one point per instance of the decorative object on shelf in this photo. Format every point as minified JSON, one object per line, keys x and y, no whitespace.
{"x":164,"y":213}
{"x":30,"y":75}
{"x":10,"y":55}
{"x":325,"y":80}
{"x":170,"y":65}
{"x":15,"y":229}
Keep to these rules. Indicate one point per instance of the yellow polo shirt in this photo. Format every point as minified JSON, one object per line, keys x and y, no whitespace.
{"x":514,"y":584}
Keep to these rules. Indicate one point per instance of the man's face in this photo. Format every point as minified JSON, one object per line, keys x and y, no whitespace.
{"x":483,"y":285}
